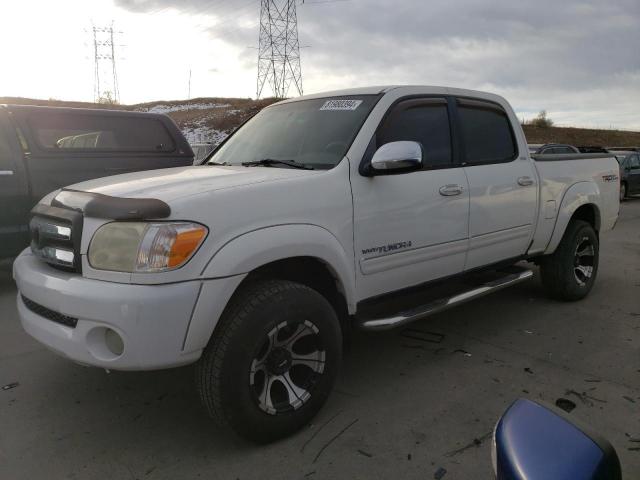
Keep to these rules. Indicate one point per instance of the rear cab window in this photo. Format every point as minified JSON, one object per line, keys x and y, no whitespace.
{"x":422,"y":120}
{"x":64,"y":131}
{"x":486,"y":131}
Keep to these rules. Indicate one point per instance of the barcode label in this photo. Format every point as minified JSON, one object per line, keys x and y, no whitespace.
{"x":341,"y":105}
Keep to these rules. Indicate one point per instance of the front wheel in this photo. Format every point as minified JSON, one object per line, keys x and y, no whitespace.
{"x":570,"y":272}
{"x":272,"y":361}
{"x":623,"y":191}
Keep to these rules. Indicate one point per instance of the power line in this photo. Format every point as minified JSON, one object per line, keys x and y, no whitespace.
{"x":278,"y":48}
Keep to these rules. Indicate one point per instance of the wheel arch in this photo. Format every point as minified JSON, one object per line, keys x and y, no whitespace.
{"x":285,"y":249}
{"x":306,"y":270}
{"x":307,"y":254}
{"x":580,"y":202}
{"x":310,"y":271}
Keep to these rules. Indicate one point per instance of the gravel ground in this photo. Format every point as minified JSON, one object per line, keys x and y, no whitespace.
{"x":403,"y":408}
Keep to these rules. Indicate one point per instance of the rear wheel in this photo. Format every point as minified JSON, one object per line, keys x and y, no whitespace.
{"x":272,"y":361}
{"x":570,"y":272}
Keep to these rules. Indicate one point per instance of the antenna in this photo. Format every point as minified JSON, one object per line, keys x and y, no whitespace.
{"x":278,"y":48}
{"x":105,"y":87}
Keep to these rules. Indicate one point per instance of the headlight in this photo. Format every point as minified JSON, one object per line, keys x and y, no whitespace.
{"x":139,"y":247}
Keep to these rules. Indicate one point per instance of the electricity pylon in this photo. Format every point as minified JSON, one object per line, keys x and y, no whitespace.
{"x":105,"y":87}
{"x":278,"y":48}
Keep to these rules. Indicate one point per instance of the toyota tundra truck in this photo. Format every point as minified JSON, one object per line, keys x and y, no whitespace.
{"x":370,"y":207}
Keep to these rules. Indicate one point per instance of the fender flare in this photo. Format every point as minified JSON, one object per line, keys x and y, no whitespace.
{"x":579,"y":194}
{"x":257,"y":248}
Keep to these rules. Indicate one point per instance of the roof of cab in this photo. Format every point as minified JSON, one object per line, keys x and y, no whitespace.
{"x":382,"y":89}
{"x":80,"y":110}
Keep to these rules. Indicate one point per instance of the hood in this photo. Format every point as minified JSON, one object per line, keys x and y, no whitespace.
{"x":171,"y":183}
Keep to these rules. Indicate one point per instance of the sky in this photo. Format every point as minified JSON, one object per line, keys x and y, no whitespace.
{"x":577,"y":59}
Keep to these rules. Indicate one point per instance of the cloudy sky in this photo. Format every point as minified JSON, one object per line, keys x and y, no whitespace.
{"x":578,"y":59}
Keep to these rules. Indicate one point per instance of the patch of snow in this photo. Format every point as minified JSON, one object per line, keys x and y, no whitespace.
{"x":181,"y":107}
{"x":203,"y":134}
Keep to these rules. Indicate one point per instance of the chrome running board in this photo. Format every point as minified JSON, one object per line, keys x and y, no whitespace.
{"x":441,"y":304}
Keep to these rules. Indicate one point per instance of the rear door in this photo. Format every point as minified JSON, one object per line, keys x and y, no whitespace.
{"x":14,"y":194}
{"x":411,"y":227}
{"x":67,"y":146}
{"x":502,"y":182}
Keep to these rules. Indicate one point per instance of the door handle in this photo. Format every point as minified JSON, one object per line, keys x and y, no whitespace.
{"x":525,"y":181}
{"x":451,"y":190}
{"x":6,"y":173}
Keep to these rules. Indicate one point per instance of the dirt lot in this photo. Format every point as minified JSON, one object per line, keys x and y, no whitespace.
{"x":403,"y":407}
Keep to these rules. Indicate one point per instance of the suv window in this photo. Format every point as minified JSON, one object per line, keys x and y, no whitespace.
{"x":486,"y":132}
{"x":423,"y":120}
{"x":65,"y":131}
{"x":634,"y":162}
{"x":563,"y":150}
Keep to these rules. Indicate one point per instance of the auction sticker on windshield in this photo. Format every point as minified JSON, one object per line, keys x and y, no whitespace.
{"x":341,"y":105}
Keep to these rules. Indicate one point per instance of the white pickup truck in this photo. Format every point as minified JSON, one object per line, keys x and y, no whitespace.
{"x":373,"y":206}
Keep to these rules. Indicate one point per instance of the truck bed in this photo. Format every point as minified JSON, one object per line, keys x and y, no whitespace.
{"x":560,"y":173}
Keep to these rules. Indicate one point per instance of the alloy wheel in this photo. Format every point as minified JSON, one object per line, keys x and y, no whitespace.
{"x":583,"y":261}
{"x":287,"y":367}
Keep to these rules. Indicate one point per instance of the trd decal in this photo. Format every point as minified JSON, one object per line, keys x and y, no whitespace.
{"x":610,"y":178}
{"x":387,"y":248}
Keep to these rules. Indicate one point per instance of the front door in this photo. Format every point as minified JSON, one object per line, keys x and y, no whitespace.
{"x":502,"y":183}
{"x":14,"y":196}
{"x":411,"y":227}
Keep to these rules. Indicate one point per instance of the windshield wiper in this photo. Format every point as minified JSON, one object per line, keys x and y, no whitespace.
{"x":272,"y":161}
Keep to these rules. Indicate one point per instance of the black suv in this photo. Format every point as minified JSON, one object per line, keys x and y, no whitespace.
{"x":46,"y":148}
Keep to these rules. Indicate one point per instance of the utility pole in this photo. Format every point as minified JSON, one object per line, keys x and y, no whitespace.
{"x":105,"y":87}
{"x":278,"y":48}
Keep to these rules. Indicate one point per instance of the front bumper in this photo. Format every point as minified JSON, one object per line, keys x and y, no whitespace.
{"x":151,"y":320}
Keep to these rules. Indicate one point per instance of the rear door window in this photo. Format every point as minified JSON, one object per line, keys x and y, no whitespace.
{"x":487,"y":135}
{"x":422,"y":120}
{"x":92,"y":132}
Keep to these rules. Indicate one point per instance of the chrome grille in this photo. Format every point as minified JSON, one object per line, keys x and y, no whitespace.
{"x":55,"y":236}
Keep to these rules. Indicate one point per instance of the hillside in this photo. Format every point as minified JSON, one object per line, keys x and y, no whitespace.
{"x":204,"y":120}
{"x":581,"y":136}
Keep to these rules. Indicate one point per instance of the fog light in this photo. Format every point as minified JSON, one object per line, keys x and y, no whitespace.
{"x":114,"y":342}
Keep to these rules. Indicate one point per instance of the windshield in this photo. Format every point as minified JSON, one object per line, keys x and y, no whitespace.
{"x":316,"y":133}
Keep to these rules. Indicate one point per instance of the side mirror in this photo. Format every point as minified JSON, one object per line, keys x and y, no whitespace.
{"x":397,"y":156}
{"x":532,"y":442}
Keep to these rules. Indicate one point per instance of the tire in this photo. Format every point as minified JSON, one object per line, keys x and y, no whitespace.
{"x":261,"y":321}
{"x":623,"y":191}
{"x":567,"y":274}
